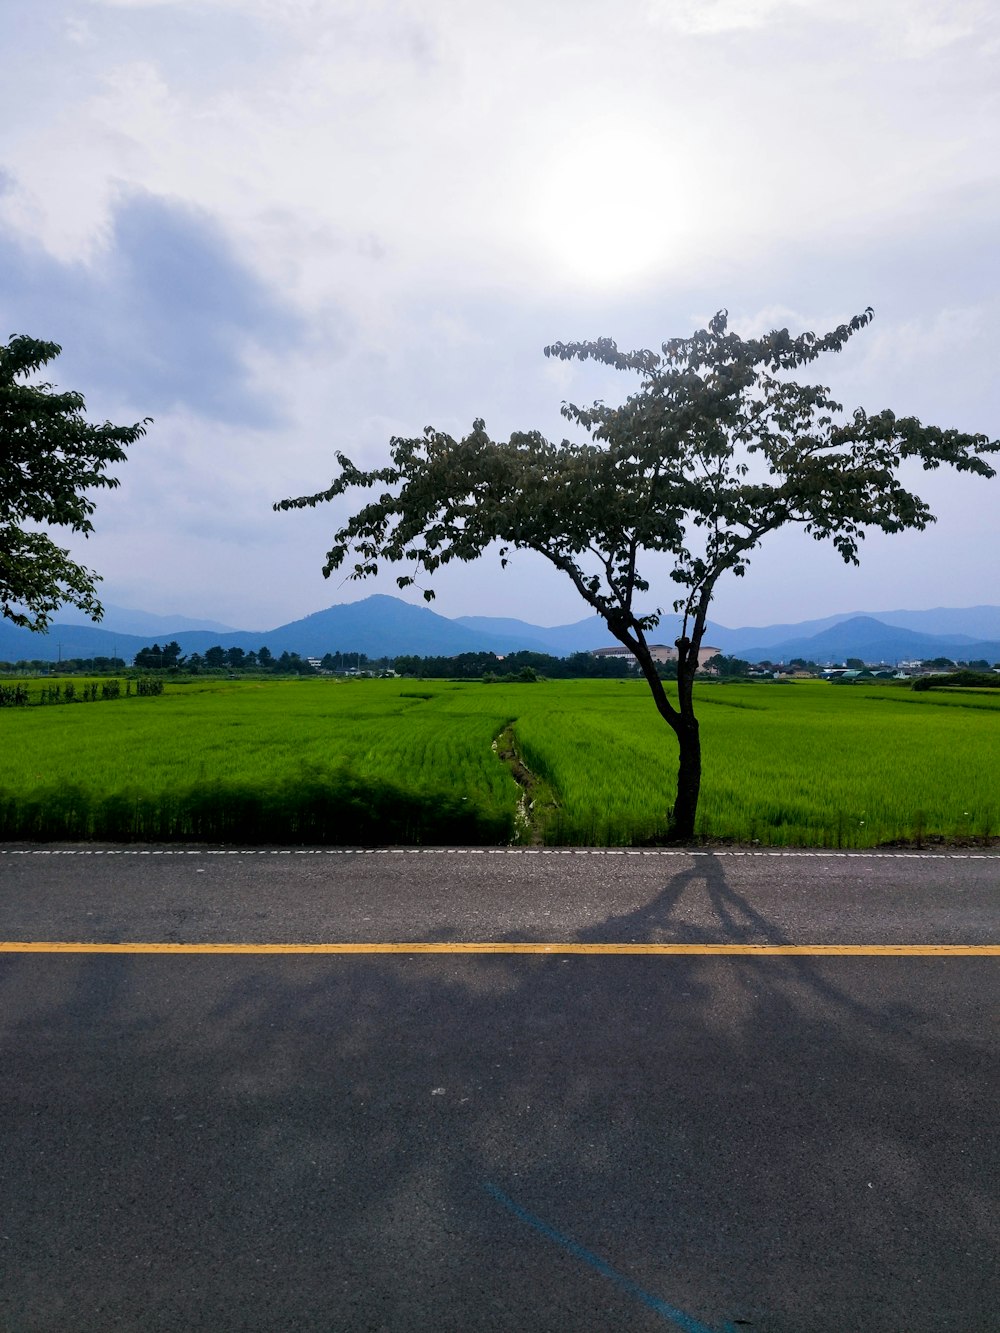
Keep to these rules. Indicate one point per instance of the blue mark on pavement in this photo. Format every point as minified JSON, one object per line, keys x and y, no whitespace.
{"x":682,"y":1320}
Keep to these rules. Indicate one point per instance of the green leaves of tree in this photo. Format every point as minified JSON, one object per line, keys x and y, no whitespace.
{"x":719,"y":445}
{"x":50,"y":457}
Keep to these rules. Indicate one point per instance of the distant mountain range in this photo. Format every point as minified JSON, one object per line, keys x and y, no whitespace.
{"x":873,"y":641}
{"x":121,"y":620}
{"x":382,"y":626}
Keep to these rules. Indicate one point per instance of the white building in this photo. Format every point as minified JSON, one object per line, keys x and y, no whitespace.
{"x":658,"y":651}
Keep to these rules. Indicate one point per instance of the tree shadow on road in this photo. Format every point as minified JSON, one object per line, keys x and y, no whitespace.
{"x":320,"y":1142}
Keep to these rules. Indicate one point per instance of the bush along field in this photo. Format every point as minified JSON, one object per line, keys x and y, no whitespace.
{"x":384,"y":762}
{"x":26,"y":693}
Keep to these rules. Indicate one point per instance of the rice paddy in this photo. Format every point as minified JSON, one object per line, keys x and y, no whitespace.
{"x":368,"y":762}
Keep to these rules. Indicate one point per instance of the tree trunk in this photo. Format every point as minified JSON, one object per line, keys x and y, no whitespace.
{"x":688,"y":780}
{"x":685,"y":727}
{"x":681,"y":720}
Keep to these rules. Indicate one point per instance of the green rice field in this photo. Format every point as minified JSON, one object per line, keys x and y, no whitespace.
{"x":383,"y":762}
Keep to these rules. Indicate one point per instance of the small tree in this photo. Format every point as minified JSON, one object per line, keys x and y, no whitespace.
{"x":50,"y":456}
{"x":719,"y":446}
{"x":724,"y":665}
{"x":149,"y":659}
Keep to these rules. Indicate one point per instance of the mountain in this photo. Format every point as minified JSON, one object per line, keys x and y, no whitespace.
{"x":558,"y":640}
{"x":579,"y":637}
{"x":958,"y":624}
{"x":980,"y":623}
{"x":872,"y":641}
{"x":123,"y":620}
{"x":382,"y":626}
{"x":64,"y":641}
{"x":379,"y":626}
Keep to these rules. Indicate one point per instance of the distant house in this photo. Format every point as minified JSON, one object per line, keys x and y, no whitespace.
{"x":658,"y":651}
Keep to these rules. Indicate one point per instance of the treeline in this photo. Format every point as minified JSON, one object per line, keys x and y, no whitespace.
{"x":471,"y":666}
{"x":476,"y":666}
{"x":236,"y":659}
{"x":528,"y":665}
{"x":68,"y":666}
{"x":979,"y":680}
{"x":170,"y":658}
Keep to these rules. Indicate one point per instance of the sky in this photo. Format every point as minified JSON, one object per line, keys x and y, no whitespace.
{"x":283,"y":228}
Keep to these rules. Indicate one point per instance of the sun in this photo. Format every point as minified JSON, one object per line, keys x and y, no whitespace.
{"x":607,"y":212}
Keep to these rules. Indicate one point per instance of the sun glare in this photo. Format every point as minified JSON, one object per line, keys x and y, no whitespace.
{"x":608,"y":211}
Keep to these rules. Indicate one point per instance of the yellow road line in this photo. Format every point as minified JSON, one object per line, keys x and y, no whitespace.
{"x":503,"y":947}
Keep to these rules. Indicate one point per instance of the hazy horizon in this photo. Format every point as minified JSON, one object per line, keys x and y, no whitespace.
{"x":114,"y":612}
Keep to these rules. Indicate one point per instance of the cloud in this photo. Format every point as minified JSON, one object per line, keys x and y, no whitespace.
{"x":288,"y":226}
{"x":912,"y":28}
{"x":165,"y":317}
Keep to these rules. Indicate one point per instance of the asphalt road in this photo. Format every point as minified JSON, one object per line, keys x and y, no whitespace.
{"x":499,"y":1142}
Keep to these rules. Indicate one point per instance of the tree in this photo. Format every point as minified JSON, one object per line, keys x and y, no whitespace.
{"x":149,"y":659}
{"x":157,"y":658}
{"x":50,"y":457}
{"x":726,"y":666}
{"x":719,"y":446}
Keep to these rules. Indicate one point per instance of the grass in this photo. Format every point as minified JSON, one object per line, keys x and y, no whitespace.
{"x":368,"y":762}
{"x":299,"y":761}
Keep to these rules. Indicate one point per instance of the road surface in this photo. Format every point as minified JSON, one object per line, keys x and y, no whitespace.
{"x":451,"y":1140}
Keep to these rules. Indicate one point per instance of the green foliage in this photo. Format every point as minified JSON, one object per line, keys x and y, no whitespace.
{"x":719,"y":446}
{"x":474,"y":666}
{"x":67,"y":666}
{"x":229,"y":660}
{"x":50,"y":458}
{"x":59,"y":690}
{"x":728,"y":667}
{"x":157,"y":658}
{"x":980,"y":680}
